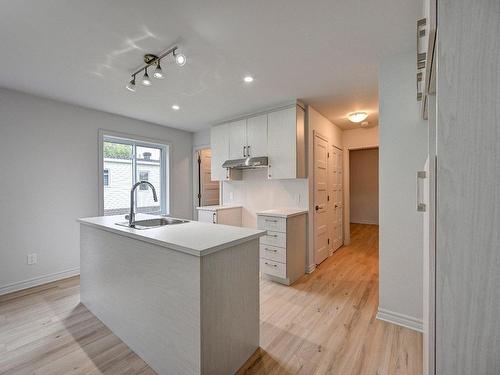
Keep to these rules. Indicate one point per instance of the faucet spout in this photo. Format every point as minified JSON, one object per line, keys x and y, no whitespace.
{"x":131,"y":216}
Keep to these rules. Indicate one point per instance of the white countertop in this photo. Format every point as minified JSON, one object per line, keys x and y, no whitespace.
{"x":195,"y":238}
{"x":219,"y":207}
{"x":283,"y":212}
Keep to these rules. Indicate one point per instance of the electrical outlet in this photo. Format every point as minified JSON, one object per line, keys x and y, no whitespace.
{"x":32,"y":259}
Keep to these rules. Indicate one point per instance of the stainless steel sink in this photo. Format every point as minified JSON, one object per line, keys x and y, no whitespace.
{"x":152,"y":223}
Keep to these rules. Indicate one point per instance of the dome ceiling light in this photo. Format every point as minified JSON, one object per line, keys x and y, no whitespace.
{"x":149,"y":60}
{"x":357,"y":116}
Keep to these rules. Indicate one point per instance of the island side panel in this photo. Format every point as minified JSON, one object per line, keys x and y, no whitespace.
{"x":229,"y":308}
{"x":148,"y":295}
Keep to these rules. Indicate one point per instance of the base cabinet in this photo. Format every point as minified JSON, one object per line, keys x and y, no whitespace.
{"x":220,"y":215}
{"x":283,"y":248}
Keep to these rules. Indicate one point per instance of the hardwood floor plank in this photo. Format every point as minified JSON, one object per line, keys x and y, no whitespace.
{"x":324,"y":324}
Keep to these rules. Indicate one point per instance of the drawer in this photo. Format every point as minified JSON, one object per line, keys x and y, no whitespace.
{"x":274,"y":239}
{"x":276,"y":224}
{"x":277,"y":254}
{"x":272,"y":268}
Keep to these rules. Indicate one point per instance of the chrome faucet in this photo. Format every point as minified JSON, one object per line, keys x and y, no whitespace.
{"x":131,"y":216}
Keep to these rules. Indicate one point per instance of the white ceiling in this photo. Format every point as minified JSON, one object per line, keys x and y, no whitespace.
{"x":325,"y":52}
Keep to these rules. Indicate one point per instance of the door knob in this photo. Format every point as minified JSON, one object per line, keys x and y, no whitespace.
{"x":317,"y":208}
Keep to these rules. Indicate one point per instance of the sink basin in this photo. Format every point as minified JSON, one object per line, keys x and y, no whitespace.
{"x":153,"y":223}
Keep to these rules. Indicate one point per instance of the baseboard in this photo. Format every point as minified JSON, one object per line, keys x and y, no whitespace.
{"x":310,"y":268}
{"x":400,"y":319}
{"x":367,"y":222}
{"x":40,"y":280}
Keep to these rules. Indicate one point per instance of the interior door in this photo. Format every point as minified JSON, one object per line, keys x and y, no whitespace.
{"x":321,"y":246}
{"x":336,"y":196}
{"x":209,"y":190}
{"x":257,"y":136}
{"x":237,"y":139}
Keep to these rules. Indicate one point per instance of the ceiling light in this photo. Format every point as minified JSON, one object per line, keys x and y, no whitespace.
{"x":158,"y":73}
{"x":180,"y":59}
{"x":248,"y":79}
{"x":357,"y":116}
{"x":150,"y":60}
{"x":131,"y":85}
{"x":145,"y":79}
{"x":175,"y":107}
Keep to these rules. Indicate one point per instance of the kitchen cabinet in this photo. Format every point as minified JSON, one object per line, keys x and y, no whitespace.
{"x":286,"y":143}
{"x":237,"y":139}
{"x":229,"y":215}
{"x":219,"y":143}
{"x":257,"y":136}
{"x":282,"y":248}
{"x":248,"y":137}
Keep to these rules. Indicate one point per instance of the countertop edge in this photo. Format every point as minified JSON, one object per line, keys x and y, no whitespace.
{"x":186,"y":250}
{"x":285,"y":216}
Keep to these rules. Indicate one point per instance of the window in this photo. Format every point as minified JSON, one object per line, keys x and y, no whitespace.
{"x":130,"y":160}
{"x":105,"y":177}
{"x":143,"y":176}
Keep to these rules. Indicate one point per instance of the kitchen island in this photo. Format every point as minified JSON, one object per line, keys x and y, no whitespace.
{"x":184,"y":297}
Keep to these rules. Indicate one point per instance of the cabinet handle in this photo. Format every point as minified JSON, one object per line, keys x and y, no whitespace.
{"x":273,"y":235}
{"x":271,"y":220}
{"x":248,"y":150}
{"x":273,"y":250}
{"x":244,"y":151}
{"x":421,"y":207}
{"x":213,"y":218}
{"x":271,"y":265}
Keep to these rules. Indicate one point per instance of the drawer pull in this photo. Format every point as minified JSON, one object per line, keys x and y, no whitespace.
{"x":271,"y":220}
{"x":273,"y":235}
{"x":272,"y":265}
{"x":273,"y":250}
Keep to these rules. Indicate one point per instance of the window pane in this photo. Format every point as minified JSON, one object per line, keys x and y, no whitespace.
{"x":148,"y":169}
{"x":117,"y":159}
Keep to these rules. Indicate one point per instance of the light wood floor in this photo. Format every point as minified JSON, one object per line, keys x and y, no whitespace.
{"x":323,"y":324}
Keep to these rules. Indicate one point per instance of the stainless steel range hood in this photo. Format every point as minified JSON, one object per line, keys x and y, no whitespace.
{"x":247,"y":163}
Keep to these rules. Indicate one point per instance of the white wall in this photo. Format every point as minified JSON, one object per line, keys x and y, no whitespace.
{"x":201,"y":138}
{"x":403,"y":151}
{"x":354,"y":139}
{"x":256,"y":192}
{"x":316,"y":122}
{"x":363,"y":165}
{"x":43,"y":193}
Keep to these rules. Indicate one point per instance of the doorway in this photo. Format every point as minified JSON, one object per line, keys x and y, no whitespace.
{"x":206,"y":191}
{"x":364,"y":186}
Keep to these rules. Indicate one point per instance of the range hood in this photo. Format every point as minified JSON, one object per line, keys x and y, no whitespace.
{"x":247,"y":163}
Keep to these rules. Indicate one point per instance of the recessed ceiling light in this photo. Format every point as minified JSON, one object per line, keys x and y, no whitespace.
{"x":180,"y":59}
{"x":357,"y":116}
{"x":175,"y":107}
{"x":248,"y":79}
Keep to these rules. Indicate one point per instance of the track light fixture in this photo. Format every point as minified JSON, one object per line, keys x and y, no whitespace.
{"x":149,"y":60}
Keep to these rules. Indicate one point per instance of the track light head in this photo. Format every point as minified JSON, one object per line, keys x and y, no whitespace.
{"x":145,"y":79}
{"x":180,"y":59}
{"x":158,"y":73}
{"x":131,"y":85}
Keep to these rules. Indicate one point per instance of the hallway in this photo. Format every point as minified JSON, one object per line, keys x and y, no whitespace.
{"x":325,"y":323}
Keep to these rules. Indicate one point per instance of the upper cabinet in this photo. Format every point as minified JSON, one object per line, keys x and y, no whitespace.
{"x":286,"y":143}
{"x":257,"y":136}
{"x":237,"y":139}
{"x":279,"y":135}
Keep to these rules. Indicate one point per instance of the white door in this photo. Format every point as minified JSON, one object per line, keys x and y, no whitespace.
{"x":336,"y":197}
{"x":219,"y":143}
{"x":209,"y":189}
{"x":238,"y":139}
{"x":257,"y":136}
{"x":282,"y":143}
{"x":321,"y":247}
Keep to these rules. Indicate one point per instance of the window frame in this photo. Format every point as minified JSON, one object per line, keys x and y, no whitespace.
{"x":137,"y":141}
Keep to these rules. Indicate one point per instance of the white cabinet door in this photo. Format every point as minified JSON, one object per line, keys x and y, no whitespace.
{"x":219,"y":142}
{"x":282,"y":143}
{"x":237,"y":139}
{"x":207,"y":216}
{"x":257,"y":136}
